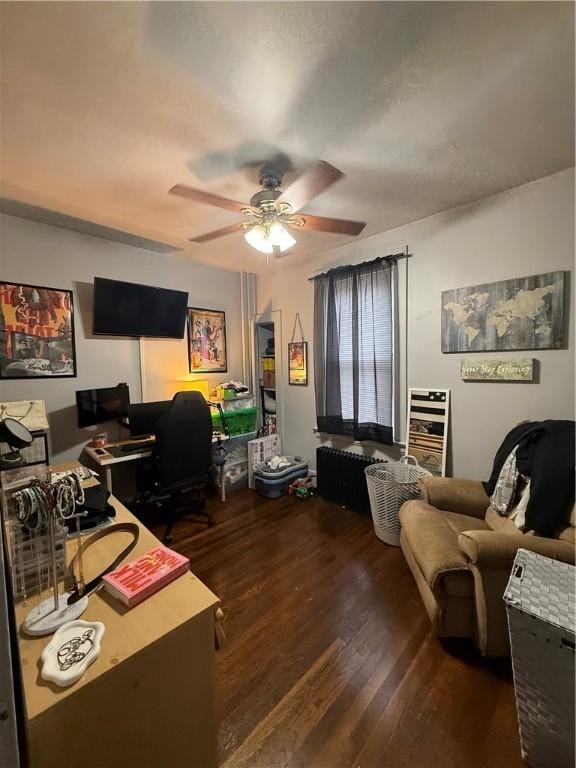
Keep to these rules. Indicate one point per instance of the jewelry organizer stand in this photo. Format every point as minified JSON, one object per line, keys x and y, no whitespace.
{"x":30,"y":559}
{"x":29,"y":555}
{"x":37,"y":511}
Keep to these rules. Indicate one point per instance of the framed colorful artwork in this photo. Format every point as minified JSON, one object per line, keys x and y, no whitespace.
{"x":207,"y":341}
{"x":298,"y":363}
{"x":427,"y":428}
{"x":36,"y":332}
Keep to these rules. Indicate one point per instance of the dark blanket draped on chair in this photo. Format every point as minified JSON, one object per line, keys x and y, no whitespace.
{"x":354,"y":350}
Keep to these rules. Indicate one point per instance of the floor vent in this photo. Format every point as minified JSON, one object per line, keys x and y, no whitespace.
{"x":340,"y":478}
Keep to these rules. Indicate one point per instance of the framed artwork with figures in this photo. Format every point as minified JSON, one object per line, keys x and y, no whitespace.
{"x":36,"y":332}
{"x":298,"y":363}
{"x":207,"y":341}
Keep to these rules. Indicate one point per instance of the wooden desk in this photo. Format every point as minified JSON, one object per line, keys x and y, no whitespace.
{"x":106,"y":460}
{"x":148,"y":700}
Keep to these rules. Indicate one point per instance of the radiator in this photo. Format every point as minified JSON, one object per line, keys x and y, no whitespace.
{"x":340,"y":478}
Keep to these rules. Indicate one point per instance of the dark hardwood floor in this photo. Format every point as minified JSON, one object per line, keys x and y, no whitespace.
{"x":330,"y":660}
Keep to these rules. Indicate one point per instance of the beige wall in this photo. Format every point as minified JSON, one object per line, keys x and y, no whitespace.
{"x":43,"y":255}
{"x":527,"y":230}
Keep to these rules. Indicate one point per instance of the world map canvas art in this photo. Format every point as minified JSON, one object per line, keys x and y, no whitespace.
{"x":523,"y":313}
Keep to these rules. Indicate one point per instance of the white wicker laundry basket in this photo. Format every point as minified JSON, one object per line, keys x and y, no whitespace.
{"x":540,"y":606}
{"x":389,"y":486}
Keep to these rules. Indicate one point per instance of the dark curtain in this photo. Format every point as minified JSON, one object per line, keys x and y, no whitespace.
{"x":354,"y":350}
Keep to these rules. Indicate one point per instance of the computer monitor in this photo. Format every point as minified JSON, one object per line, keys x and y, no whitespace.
{"x":143,"y":416}
{"x":95,"y":406}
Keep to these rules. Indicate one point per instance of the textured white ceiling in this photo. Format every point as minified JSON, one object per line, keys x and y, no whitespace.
{"x":424,"y":106}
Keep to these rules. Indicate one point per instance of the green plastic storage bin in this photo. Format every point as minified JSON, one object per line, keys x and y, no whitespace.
{"x":238,"y":421}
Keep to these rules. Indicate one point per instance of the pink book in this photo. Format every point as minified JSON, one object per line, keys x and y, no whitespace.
{"x":138,"y":579}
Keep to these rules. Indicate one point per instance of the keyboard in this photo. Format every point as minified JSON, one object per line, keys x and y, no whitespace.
{"x":135,"y":445}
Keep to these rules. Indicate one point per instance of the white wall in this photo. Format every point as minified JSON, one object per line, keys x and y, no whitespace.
{"x":524,"y":231}
{"x":42,"y":255}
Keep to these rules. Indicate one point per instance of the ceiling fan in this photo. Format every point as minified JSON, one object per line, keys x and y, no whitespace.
{"x":271,"y":211}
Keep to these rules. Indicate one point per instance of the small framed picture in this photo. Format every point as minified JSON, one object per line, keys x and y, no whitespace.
{"x":298,"y":363}
{"x":207,"y":341}
{"x":36,"y":332}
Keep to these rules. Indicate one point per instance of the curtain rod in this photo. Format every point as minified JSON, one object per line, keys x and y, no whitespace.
{"x":403,"y":255}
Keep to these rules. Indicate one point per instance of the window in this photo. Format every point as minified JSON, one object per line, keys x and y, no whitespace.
{"x":354,"y":360}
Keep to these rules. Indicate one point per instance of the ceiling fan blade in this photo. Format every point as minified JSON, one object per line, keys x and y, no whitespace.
{"x":311,"y":183}
{"x":337,"y":226}
{"x":181,"y":190}
{"x":217,"y":233}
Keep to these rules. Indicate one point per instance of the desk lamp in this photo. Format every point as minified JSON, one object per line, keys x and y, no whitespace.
{"x":197,"y":385}
{"x":17,"y":436}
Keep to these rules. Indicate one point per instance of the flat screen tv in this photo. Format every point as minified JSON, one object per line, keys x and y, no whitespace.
{"x":95,"y":406}
{"x":130,"y":309}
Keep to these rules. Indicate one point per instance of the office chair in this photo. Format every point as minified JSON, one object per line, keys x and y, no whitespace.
{"x":182,"y":457}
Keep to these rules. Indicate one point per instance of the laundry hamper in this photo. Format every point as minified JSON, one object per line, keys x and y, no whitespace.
{"x":389,"y":486}
{"x":540,"y":606}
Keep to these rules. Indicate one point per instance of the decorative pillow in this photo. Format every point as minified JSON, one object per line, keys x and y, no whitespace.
{"x":501,"y":524}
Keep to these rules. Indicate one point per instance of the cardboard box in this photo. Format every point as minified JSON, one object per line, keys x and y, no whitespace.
{"x":269,"y":379}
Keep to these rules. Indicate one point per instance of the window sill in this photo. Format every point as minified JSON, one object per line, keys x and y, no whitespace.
{"x":318,"y":434}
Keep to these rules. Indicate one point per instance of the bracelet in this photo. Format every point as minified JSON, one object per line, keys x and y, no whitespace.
{"x":36,"y":502}
{"x":21,"y":511}
{"x":65,"y":504}
{"x":39,"y":509}
{"x":79,"y":488}
{"x":32,"y":507}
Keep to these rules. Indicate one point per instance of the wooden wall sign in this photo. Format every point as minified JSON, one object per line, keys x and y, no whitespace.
{"x":520,"y":369}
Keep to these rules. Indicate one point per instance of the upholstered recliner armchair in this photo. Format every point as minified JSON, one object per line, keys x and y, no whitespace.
{"x":461,"y":553}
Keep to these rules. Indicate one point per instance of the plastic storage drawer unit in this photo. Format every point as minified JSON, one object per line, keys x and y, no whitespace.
{"x":239,"y":422}
{"x":273,"y":484}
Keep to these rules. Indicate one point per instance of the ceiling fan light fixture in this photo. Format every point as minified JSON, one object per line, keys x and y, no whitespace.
{"x":271,"y":209}
{"x":256,"y":237}
{"x":280,"y":237}
{"x":266,"y":238}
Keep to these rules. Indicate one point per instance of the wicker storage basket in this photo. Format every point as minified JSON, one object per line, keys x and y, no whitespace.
{"x":389,"y":486}
{"x":540,"y":607}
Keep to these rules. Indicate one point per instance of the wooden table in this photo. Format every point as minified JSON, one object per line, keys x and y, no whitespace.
{"x":105,"y":459}
{"x":148,"y":700}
